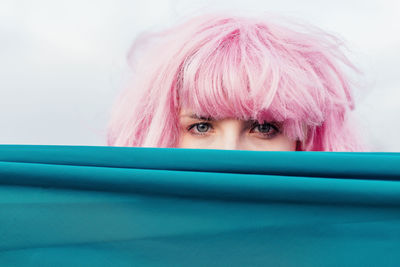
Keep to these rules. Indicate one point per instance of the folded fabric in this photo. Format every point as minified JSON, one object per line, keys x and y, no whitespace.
{"x":119,"y":206}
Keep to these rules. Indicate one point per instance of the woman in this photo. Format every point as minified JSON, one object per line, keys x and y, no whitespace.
{"x":230,"y":82}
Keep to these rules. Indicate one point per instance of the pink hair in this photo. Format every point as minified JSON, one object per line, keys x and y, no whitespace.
{"x":247,"y":68}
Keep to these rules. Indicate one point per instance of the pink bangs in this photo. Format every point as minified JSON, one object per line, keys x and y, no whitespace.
{"x":234,"y":67}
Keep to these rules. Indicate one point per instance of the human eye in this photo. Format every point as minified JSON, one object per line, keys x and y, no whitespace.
{"x":266,"y":130}
{"x":200,"y":128}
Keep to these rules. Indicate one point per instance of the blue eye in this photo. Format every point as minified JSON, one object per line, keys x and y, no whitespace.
{"x":266,"y":129}
{"x":200,"y":128}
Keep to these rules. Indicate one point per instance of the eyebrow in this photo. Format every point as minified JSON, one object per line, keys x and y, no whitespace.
{"x":197,"y":117}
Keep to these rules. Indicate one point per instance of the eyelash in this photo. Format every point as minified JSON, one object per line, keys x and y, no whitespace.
{"x":253,"y":126}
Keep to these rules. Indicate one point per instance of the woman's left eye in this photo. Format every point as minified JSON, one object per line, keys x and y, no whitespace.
{"x":266,"y":129}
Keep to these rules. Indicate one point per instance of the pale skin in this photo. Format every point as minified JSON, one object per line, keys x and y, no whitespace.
{"x":231,"y":134}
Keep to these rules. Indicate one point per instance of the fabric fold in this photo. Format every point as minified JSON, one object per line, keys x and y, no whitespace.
{"x":114,"y":206}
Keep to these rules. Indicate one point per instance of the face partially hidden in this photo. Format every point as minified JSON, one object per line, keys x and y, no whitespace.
{"x":231,"y":134}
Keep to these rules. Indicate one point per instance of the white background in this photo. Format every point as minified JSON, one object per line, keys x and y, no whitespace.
{"x":63,"y":62}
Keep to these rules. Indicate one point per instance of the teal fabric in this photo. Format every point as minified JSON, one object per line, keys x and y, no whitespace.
{"x":116,"y":206}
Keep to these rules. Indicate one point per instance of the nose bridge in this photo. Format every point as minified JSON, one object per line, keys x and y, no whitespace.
{"x":230,"y":135}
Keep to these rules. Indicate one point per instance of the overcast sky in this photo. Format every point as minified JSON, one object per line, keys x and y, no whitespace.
{"x":63,"y":62}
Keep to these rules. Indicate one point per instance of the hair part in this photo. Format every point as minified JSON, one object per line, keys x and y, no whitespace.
{"x":224,"y":66}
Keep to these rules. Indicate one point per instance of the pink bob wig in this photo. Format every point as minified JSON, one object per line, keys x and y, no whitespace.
{"x":227,"y":66}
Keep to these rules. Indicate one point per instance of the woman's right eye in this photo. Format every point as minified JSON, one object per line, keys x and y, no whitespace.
{"x":200,"y":128}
